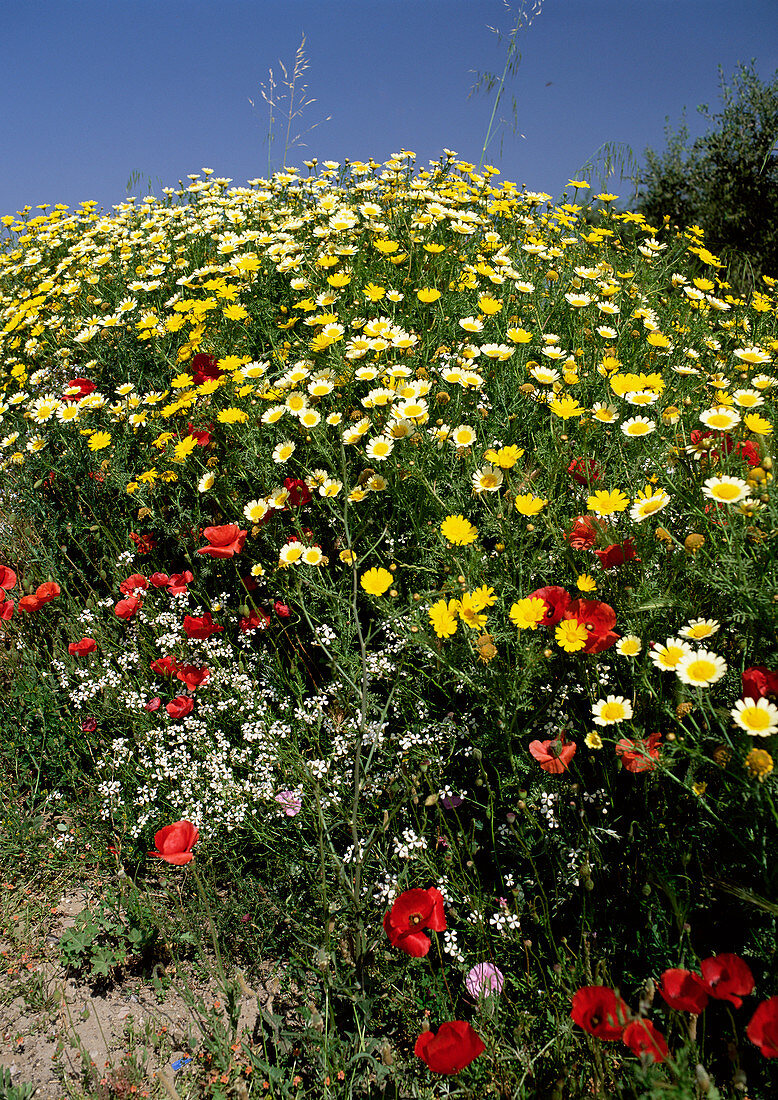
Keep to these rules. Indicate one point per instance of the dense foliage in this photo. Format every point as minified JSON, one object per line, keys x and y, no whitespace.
{"x":727,"y":180}
{"x":413,"y":540}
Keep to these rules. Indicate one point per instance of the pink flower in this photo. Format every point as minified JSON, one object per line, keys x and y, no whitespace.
{"x":290,"y":802}
{"x":484,"y":979}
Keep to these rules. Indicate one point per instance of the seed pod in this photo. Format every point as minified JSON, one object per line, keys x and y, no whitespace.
{"x":692,"y":543}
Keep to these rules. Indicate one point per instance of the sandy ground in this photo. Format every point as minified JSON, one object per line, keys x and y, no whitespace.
{"x":67,"y":1037}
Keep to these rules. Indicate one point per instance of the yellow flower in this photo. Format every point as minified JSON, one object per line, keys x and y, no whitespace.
{"x":98,"y":441}
{"x":184,"y":448}
{"x":506,"y":458}
{"x":526,"y":614}
{"x":604,"y":502}
{"x":443,"y":617}
{"x":593,"y":740}
{"x":458,"y":530}
{"x":759,"y":763}
{"x":571,"y":635}
{"x":519,"y":335}
{"x":232,"y":416}
{"x":760,"y":425}
{"x":586,"y":583}
{"x":529,"y":505}
{"x":566,"y":407}
{"x":428,"y":295}
{"x":489,"y":305}
{"x":470,"y":612}
{"x":483,"y":596}
{"x":376,"y":581}
{"x":658,"y":340}
{"x":348,"y":557}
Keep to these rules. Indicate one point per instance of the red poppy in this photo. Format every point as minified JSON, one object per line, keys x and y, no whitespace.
{"x":697,"y":439}
{"x":180,"y":707}
{"x":299,"y":493}
{"x":639,"y":755}
{"x":125,"y":609}
{"x":617,"y":553}
{"x":763,"y":1029}
{"x":282,"y":610}
{"x":153,"y":704}
{"x":556,"y":600}
{"x":204,"y":368}
{"x":554,"y":755}
{"x":600,"y":1011}
{"x":165,"y":666}
{"x":759,"y":683}
{"x":599,"y":618}
{"x":202,"y":436}
{"x":144,"y":544}
{"x":254,"y":620}
{"x":727,"y":978}
{"x":643,"y":1038}
{"x":585,"y":470}
{"x":84,"y":387}
{"x":226,"y":541}
{"x":193,"y":676}
{"x":583,"y":533}
{"x":455,"y":1046}
{"x":175,"y":842}
{"x":684,"y":991}
{"x":136,"y":581}
{"x":413,"y":911}
{"x":45,"y":592}
{"x":749,"y":451}
{"x":159,"y":580}
{"x":89,"y":725}
{"x":49,"y":590}
{"x":201,"y":626}
{"x":7,"y":577}
{"x":6,"y":610}
{"x":80,"y":649}
{"x":177,"y":582}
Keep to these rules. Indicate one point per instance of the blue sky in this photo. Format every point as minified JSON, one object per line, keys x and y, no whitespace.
{"x":92,"y":90}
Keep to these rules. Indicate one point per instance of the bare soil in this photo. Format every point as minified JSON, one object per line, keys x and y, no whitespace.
{"x":68,"y":1037}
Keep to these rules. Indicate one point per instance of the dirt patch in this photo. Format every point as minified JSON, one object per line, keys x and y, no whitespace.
{"x":58,"y":1032}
